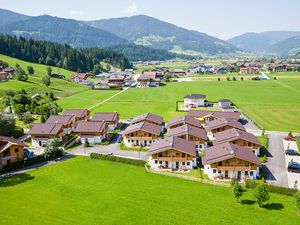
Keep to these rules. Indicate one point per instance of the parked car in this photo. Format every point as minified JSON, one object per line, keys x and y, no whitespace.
{"x":120,"y":139}
{"x":291,"y":152}
{"x":294,"y":167}
{"x":110,"y":153}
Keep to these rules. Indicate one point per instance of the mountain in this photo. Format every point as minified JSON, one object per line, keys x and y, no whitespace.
{"x":290,"y":46}
{"x":7,"y":17}
{"x":67,"y":31}
{"x":278,"y":36}
{"x":151,"y":32}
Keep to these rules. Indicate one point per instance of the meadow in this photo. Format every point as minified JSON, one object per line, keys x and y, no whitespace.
{"x":85,"y":191}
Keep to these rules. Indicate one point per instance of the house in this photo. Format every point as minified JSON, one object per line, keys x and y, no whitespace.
{"x":149,"y":79}
{"x":92,"y":131}
{"x":183,"y":120}
{"x":58,"y":76}
{"x":43,"y":133}
{"x":80,"y":78}
{"x":205,"y":116}
{"x":194,"y":100}
{"x":225,"y":105}
{"x":222,"y":124}
{"x":238,"y":137}
{"x":172,"y":153}
{"x":11,"y":150}
{"x":110,"y":118}
{"x":279,"y":68}
{"x":3,"y":76}
{"x":148,"y":117}
{"x":249,"y":70}
{"x":178,"y":72}
{"x":190,"y":133}
{"x":116,"y":80}
{"x":141,"y":134}
{"x":79,"y":114}
{"x":68,"y":122}
{"x":227,"y":160}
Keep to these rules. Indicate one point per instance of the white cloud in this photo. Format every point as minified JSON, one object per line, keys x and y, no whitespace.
{"x":132,"y":8}
{"x":76,"y":13}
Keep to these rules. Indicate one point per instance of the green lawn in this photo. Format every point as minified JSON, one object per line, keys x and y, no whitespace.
{"x":84,"y":191}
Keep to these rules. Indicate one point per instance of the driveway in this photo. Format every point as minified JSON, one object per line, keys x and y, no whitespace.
{"x":275,"y":168}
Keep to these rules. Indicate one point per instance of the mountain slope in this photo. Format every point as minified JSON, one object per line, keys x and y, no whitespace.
{"x":148,"y":31}
{"x":289,"y":46}
{"x":72,"y":32}
{"x":278,"y":36}
{"x":7,"y":17}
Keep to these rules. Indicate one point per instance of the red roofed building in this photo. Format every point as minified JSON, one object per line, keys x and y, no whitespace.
{"x":79,"y":78}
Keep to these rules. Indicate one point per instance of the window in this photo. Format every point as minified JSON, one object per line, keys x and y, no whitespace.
{"x":249,"y":144}
{"x":183,"y":154}
{"x":251,"y":173}
{"x":188,"y":163}
{"x":155,"y":161}
{"x":246,"y":164}
{"x":183,"y":163}
{"x":16,"y":150}
{"x":160,"y":154}
{"x":150,"y":142}
{"x":246,"y":173}
{"x":214,"y":170}
{"x":160,"y":162}
{"x":177,"y":153}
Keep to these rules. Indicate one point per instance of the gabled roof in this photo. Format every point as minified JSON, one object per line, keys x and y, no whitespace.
{"x":188,"y":129}
{"x":221,"y":122}
{"x":63,"y":119}
{"x":144,"y":126}
{"x":45,"y":128}
{"x":186,"y":120}
{"x":195,"y":96}
{"x":175,"y":143}
{"x":89,"y":127}
{"x":80,"y":75}
{"x":105,"y":116}
{"x":148,"y":117}
{"x":226,"y":151}
{"x":225,"y":100}
{"x":217,"y":114}
{"x":6,"y":142}
{"x":76,"y":112}
{"x":234,"y":134}
{"x":116,"y":77}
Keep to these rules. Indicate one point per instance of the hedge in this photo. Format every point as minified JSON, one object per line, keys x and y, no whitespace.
{"x":135,"y":162}
{"x":282,"y":190}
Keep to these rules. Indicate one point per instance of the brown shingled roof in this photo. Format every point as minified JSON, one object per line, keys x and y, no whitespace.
{"x":144,"y":126}
{"x":234,"y":134}
{"x":175,"y":143}
{"x":45,"y":128}
{"x":226,"y":151}
{"x":188,"y":129}
{"x":217,"y":114}
{"x":63,"y":119}
{"x":75,"y":112}
{"x":6,"y":142}
{"x":186,"y":120}
{"x":195,"y":96}
{"x":221,"y":122}
{"x":148,"y":117}
{"x":90,"y":127}
{"x":105,"y":116}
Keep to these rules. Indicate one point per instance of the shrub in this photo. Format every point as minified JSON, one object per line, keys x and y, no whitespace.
{"x":20,"y":74}
{"x":261,"y":194}
{"x":297,"y":201}
{"x":233,"y":182}
{"x":53,"y":150}
{"x":237,"y":191}
{"x":136,"y":162}
{"x":46,"y":80}
{"x":251,"y":184}
{"x":242,"y":78}
{"x":219,"y":79}
{"x":30,"y":70}
{"x":86,"y":143}
{"x":228,"y":78}
{"x":234,"y":78}
{"x":282,"y":190}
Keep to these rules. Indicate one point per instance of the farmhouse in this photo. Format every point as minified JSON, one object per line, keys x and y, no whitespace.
{"x":222,"y":124}
{"x":194,"y":100}
{"x":92,"y":131}
{"x":43,"y":133}
{"x":79,"y":114}
{"x":116,"y":80}
{"x":11,"y":150}
{"x":249,"y":70}
{"x":226,"y":105}
{"x":172,"y":153}
{"x":178,"y":72}
{"x":183,"y":120}
{"x":206,"y":116}
{"x":149,"y":79}
{"x":58,"y":76}
{"x":227,"y":160}
{"x":238,"y":137}
{"x":141,"y":134}
{"x":148,"y":117}
{"x":279,"y":68}
{"x":3,"y":76}
{"x":190,"y":133}
{"x":110,"y":118}
{"x":80,"y":78}
{"x":67,"y":121}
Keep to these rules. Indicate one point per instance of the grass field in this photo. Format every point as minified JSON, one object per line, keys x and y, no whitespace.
{"x":60,"y":88}
{"x":84,"y":191}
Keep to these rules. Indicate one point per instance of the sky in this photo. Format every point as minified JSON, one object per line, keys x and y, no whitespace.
{"x":221,"y":18}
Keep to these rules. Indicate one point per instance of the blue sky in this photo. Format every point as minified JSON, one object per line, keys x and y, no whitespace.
{"x":221,"y":18}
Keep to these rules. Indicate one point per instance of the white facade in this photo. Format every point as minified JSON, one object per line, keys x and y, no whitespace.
{"x":42,"y":143}
{"x":137,"y":142}
{"x":111,"y":126}
{"x":92,"y":139}
{"x":201,"y":147}
{"x":213,"y":173}
{"x":172,"y":165}
{"x":196,"y":102}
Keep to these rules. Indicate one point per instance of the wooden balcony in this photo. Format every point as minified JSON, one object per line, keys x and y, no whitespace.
{"x":234,"y":168}
{"x":174,"y":159}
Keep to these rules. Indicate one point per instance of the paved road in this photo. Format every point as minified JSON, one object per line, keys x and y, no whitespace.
{"x":276,"y":171}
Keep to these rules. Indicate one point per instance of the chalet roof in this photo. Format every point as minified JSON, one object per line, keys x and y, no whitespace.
{"x":175,"y":143}
{"x":226,"y":151}
{"x":221,"y":122}
{"x":116,"y":77}
{"x":144,"y":126}
{"x":90,"y":127}
{"x":234,"y":134}
{"x":62,"y":119}
{"x":186,"y":120}
{"x":45,"y":128}
{"x":195,"y":96}
{"x":225,"y":100}
{"x":217,"y":114}
{"x":148,"y":117}
{"x":80,"y":75}
{"x":188,"y":129}
{"x":6,"y":142}
{"x":105,"y":116}
{"x":76,"y":112}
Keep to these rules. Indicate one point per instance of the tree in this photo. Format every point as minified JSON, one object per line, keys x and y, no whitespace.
{"x":51,"y":95}
{"x":30,"y":70}
{"x":86,"y":143}
{"x":53,"y":149}
{"x":261,"y":194}
{"x":168,"y":77}
{"x":27,"y":118}
{"x":219,"y":79}
{"x":237,"y":191}
{"x":49,"y":70}
{"x":228,"y":78}
{"x":20,"y":74}
{"x":46,"y":80}
{"x":242,"y":78}
{"x":234,"y":78}
{"x":19,"y":110}
{"x":43,"y":120}
{"x":7,"y":124}
{"x":297,"y":201}
{"x":290,"y":134}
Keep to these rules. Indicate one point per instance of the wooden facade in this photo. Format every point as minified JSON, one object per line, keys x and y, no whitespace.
{"x":11,"y":155}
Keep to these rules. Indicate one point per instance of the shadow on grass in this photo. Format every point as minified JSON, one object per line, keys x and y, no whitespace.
{"x":56,"y":89}
{"x":15,"y":180}
{"x":273,"y":206}
{"x":247,"y":202}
